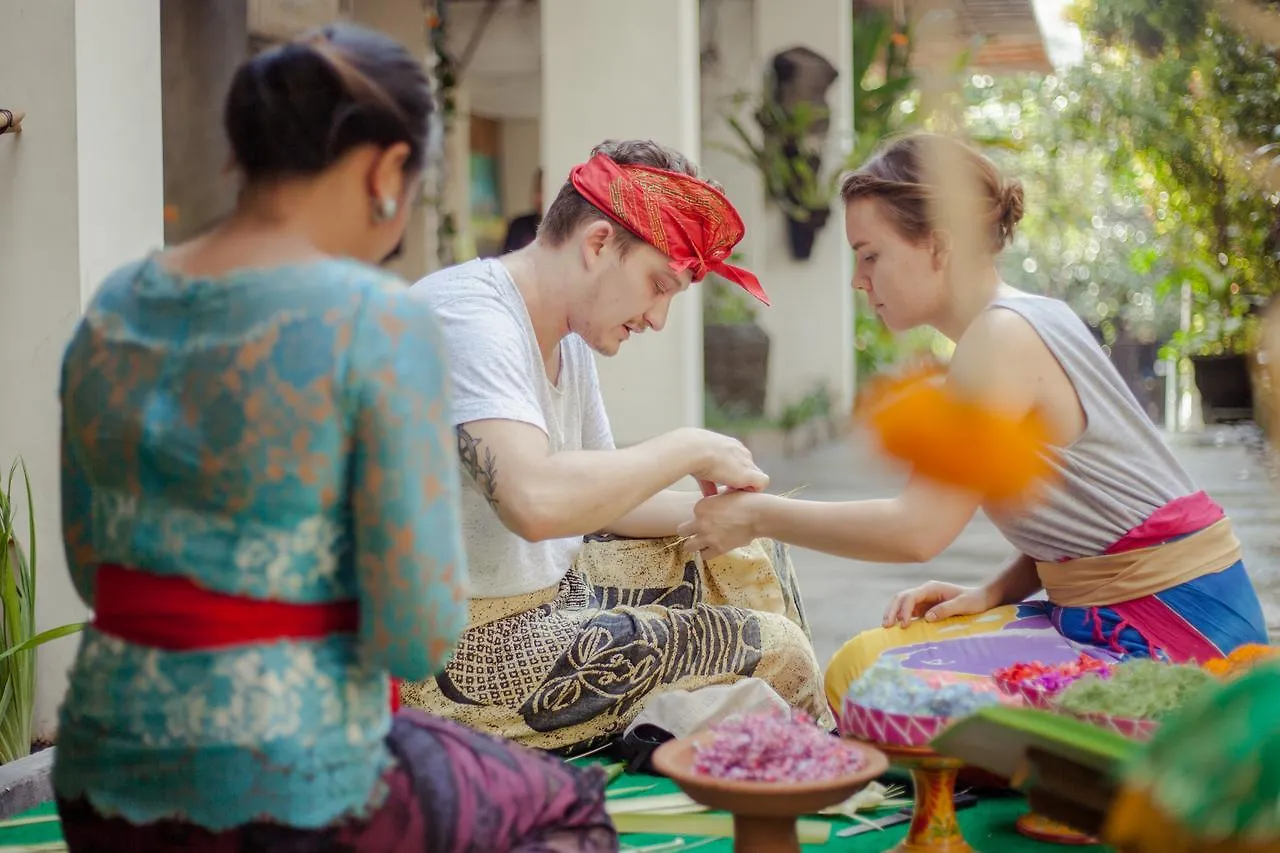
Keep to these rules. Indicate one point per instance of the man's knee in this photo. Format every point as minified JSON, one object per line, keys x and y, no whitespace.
{"x":790,"y":664}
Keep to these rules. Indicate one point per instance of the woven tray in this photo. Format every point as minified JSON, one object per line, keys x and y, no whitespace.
{"x":874,"y":726}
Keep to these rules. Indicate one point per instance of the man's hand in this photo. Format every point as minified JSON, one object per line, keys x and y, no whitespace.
{"x":725,"y":462}
{"x":937,"y":600}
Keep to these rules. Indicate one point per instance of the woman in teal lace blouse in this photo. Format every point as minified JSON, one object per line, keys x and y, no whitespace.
{"x":260,"y":503}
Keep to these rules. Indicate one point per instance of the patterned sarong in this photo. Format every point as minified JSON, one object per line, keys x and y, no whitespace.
{"x":451,"y":790}
{"x":570,"y":667}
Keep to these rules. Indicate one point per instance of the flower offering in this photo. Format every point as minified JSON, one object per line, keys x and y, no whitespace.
{"x":1036,"y":681}
{"x":1240,"y":661}
{"x":893,"y":689}
{"x":1137,"y":689}
{"x":918,"y":420}
{"x":772,"y":747}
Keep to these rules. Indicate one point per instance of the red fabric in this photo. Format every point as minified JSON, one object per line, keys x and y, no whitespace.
{"x":681,"y":216}
{"x":1179,"y":517}
{"x":1163,"y":628}
{"x":1160,"y":625}
{"x":176,"y":615}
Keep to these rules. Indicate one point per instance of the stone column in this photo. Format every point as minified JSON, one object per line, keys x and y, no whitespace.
{"x":614,"y":69}
{"x":203,"y":44}
{"x":811,"y":319}
{"x":404,"y":21}
{"x":81,"y":192}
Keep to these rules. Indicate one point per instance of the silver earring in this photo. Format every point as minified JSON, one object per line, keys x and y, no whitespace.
{"x":384,"y":209}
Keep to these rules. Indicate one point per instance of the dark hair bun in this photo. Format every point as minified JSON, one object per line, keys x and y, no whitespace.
{"x":1011,"y":209}
{"x":297,"y":108}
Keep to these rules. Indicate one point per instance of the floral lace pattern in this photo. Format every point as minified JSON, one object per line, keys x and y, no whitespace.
{"x":277,"y":434}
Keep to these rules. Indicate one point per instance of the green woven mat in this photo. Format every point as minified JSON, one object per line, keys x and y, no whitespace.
{"x":36,"y":831}
{"x":988,"y":826}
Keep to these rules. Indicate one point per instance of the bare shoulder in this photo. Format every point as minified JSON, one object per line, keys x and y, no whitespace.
{"x":1002,"y":331}
{"x":999,"y":360}
{"x":998,"y":339}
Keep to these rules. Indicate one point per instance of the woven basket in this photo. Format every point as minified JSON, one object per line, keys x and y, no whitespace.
{"x":1127,"y":726}
{"x":874,"y":726}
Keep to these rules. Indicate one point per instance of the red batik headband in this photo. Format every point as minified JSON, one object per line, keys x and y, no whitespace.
{"x":681,"y":216}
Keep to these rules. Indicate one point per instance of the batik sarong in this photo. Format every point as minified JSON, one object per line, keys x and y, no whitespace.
{"x":451,"y":790}
{"x":569,"y":667}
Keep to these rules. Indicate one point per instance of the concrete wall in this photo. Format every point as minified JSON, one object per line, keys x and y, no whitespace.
{"x":403,"y":20}
{"x":504,"y":72}
{"x":812,"y":299}
{"x":729,"y":68}
{"x":521,"y":157}
{"x":202,"y":44}
{"x":283,"y":19}
{"x":80,"y":193}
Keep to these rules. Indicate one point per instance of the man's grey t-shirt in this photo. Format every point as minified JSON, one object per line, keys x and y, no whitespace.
{"x":497,"y":373}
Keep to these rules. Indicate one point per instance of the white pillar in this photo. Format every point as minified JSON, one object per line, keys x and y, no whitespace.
{"x":619,"y":69}
{"x":811,"y":319}
{"x":457,"y":175}
{"x":202,"y":44}
{"x":81,"y":192}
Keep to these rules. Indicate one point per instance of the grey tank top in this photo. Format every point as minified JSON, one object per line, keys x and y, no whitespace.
{"x":1116,"y":474}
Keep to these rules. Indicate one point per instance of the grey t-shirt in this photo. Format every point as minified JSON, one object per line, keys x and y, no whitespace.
{"x":497,"y":373}
{"x":1116,"y":474}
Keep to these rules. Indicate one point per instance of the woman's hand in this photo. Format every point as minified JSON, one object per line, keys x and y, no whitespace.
{"x":723,"y":522}
{"x":938,"y":600}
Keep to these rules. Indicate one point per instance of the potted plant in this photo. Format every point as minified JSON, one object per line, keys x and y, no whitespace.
{"x":735,"y":351}
{"x":789,"y":167}
{"x":18,"y":629}
{"x":1225,"y":322}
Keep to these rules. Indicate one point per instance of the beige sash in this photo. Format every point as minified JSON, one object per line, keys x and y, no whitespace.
{"x":1112,"y":578}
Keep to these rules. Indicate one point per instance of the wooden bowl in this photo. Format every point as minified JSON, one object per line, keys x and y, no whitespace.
{"x":764,"y":812}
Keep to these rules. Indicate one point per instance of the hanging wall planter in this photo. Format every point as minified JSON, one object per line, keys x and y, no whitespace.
{"x":801,"y":233}
{"x":794,"y":122}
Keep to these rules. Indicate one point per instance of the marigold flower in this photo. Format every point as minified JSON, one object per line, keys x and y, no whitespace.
{"x":921,"y":422}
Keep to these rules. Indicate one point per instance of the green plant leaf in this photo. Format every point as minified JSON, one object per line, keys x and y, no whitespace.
{"x":18,"y":639}
{"x":44,"y":637}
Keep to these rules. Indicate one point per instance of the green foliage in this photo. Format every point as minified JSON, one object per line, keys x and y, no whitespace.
{"x":18,"y":632}
{"x":786,"y":155}
{"x":1154,"y":28}
{"x":725,"y":303}
{"x":882,"y":81}
{"x":1087,"y":237}
{"x":815,"y":404}
{"x":1185,"y":108}
{"x":729,"y":422}
{"x":788,"y":148}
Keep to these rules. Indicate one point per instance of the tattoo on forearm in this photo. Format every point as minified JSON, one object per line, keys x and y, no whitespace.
{"x":483,"y":470}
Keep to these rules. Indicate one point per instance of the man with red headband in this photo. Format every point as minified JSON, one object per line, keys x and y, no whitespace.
{"x":568,"y":637}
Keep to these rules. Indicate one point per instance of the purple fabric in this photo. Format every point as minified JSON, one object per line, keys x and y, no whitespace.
{"x":1031,"y":636}
{"x":453,"y":790}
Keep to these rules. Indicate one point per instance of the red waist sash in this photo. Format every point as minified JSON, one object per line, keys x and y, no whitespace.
{"x":176,"y":615}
